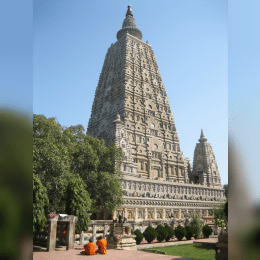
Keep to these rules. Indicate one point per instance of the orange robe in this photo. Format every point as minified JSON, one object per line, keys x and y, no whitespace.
{"x":89,"y":249}
{"x":102,"y":244}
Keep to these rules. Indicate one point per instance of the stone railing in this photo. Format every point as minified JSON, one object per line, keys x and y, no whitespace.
{"x":149,"y":189}
{"x":103,"y":227}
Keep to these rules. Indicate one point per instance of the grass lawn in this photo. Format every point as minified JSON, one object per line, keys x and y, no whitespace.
{"x":190,"y":250}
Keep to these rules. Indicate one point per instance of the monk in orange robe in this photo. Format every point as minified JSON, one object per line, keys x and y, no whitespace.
{"x":102,"y":244}
{"x":89,"y":248}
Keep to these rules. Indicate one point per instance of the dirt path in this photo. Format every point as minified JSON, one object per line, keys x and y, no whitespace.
{"x":111,"y":255}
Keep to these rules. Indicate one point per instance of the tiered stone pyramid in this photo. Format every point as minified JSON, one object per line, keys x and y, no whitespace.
{"x":205,"y":168}
{"x":130,"y":85}
{"x":131,"y":108}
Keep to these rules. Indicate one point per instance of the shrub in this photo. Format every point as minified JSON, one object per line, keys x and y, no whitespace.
{"x":170,"y":231}
{"x":162,"y":233}
{"x":150,"y":234}
{"x":139,"y":236}
{"x":180,"y":232}
{"x":226,"y":209}
{"x":190,"y":232}
{"x":207,"y":230}
{"x":197,"y":225}
{"x":40,"y":199}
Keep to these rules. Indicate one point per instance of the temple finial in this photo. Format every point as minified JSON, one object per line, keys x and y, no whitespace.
{"x":129,"y":26}
{"x":202,"y":137}
{"x":129,"y":11}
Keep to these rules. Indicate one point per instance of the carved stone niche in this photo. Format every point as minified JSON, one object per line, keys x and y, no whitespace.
{"x":150,"y":215}
{"x":129,"y":214}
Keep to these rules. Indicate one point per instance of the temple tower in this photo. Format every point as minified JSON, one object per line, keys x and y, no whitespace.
{"x":131,"y":109}
{"x":205,"y":168}
{"x":130,"y":86}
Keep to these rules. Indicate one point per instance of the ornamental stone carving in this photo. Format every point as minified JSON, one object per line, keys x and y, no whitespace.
{"x":131,"y":109}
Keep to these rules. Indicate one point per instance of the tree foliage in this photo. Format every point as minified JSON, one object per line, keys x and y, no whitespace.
{"x":61,"y":153}
{"x":190,"y":232}
{"x":150,"y":234}
{"x":180,"y":232}
{"x":226,"y":210}
{"x":40,"y":199}
{"x":97,"y":166}
{"x":170,"y":231}
{"x":162,"y":233}
{"x":196,"y":224}
{"x":219,"y":211}
{"x":226,"y":190}
{"x":51,"y":159}
{"x":139,"y":236}
{"x":78,"y":202}
{"x":207,"y":231}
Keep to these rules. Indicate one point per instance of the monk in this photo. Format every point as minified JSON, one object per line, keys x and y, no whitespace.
{"x":102,"y":244}
{"x":89,"y":248}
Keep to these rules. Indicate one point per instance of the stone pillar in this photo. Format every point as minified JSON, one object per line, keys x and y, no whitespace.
{"x":111,"y":229}
{"x":94,"y":233}
{"x":145,"y":214}
{"x":52,"y":232}
{"x":179,"y":214}
{"x":136,"y":214}
{"x":163,"y":214}
{"x":114,"y":215}
{"x":125,"y":213}
{"x":105,"y":231}
{"x":216,"y":230}
{"x":207,"y":213}
{"x":155,"y":213}
{"x":163,"y":171}
{"x":173,"y":225}
{"x":129,"y":230}
{"x":70,"y":235}
{"x":81,"y":238}
{"x":149,"y":168}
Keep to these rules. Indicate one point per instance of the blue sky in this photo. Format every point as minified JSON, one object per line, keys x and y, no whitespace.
{"x":16,"y":56}
{"x":244,"y":91}
{"x":190,"y":42}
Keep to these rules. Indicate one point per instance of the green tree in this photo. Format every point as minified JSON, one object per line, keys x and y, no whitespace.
{"x":150,"y":234}
{"x":196,"y":224}
{"x":59,"y":152}
{"x":51,"y":159}
{"x":78,"y":202}
{"x":40,"y":200}
{"x":207,"y":231}
{"x":180,"y":232}
{"x":98,"y":167}
{"x":226,"y":210}
{"x":139,"y":236}
{"x":190,"y":232}
{"x":219,"y":211}
{"x":225,"y":186}
{"x":170,"y":231}
{"x":162,"y":233}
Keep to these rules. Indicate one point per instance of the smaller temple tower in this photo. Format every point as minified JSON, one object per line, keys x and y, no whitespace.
{"x":205,"y":168}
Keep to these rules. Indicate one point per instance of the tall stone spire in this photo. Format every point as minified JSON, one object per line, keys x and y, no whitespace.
{"x":130,"y":86}
{"x":202,"y":137}
{"x":205,"y":168}
{"x":131,"y":109}
{"x":129,"y":26}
